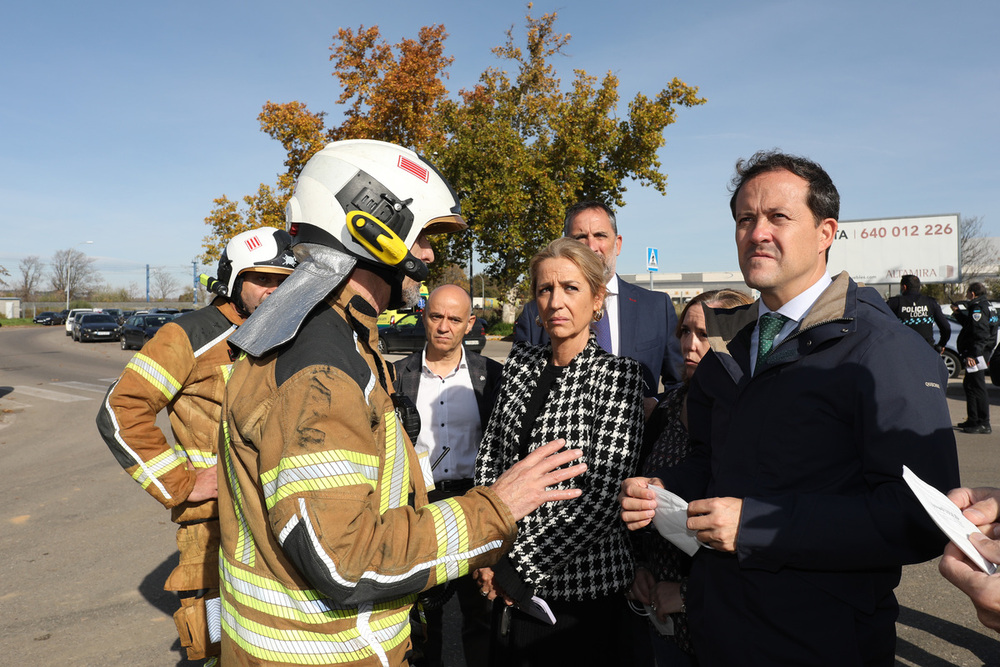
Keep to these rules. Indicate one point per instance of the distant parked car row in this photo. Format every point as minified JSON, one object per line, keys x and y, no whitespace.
{"x":132,"y":329}
{"x":67,"y":317}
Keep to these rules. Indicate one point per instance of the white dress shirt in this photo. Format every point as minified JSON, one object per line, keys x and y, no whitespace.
{"x":611,"y":312}
{"x":795,"y":310}
{"x":449,"y":417}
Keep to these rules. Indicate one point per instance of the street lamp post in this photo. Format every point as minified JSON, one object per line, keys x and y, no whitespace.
{"x":69,"y":270}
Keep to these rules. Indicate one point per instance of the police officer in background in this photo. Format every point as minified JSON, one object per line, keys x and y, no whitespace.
{"x":975,"y":342}
{"x":920,"y":312}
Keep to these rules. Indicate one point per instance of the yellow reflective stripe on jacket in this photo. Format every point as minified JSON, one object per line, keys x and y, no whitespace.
{"x":303,"y":647}
{"x":198,"y":457}
{"x":452,"y":538}
{"x":141,"y":474}
{"x":269,"y":597}
{"x":318,"y":471}
{"x":448,"y":517}
{"x":157,"y":467}
{"x":155,"y":374}
{"x":245,"y":550}
{"x":396,"y":472}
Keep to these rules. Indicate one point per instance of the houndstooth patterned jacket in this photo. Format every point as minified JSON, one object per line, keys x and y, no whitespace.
{"x":576,"y":549}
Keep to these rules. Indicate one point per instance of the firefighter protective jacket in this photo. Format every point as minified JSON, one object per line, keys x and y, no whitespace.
{"x":327,"y":536}
{"x":183,"y":369}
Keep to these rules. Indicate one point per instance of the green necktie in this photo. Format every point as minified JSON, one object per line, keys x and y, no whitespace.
{"x":769,"y":326}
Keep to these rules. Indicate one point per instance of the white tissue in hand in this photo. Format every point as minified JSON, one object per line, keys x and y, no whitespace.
{"x":670,"y":521}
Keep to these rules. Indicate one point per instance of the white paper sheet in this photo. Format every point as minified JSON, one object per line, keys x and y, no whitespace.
{"x":981,"y":365}
{"x":948,"y":517}
{"x":670,"y":521}
{"x":538,"y":608}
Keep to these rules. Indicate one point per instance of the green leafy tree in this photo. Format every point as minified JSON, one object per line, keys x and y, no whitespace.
{"x":450,"y":274}
{"x":521,"y":151}
{"x":517,"y":147}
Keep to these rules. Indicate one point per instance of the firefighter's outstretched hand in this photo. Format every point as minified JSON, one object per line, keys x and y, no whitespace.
{"x":206,"y":484}
{"x":524,"y":487}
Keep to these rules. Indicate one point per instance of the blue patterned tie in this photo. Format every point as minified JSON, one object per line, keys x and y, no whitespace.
{"x":602,"y":331}
{"x":769,"y":326}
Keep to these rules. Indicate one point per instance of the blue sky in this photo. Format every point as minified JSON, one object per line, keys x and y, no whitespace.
{"x":122,"y":121}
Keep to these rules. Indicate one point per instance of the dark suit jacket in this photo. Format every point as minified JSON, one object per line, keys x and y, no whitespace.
{"x":647,"y":325}
{"x":814,"y":443}
{"x":485,"y":374}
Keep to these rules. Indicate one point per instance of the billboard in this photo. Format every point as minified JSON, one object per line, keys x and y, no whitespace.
{"x":884,"y":250}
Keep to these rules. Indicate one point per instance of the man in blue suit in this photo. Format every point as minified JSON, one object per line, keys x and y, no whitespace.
{"x":641,"y":323}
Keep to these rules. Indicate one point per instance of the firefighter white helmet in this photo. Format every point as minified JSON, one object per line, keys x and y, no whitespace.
{"x":372,"y":200}
{"x":266,"y":250}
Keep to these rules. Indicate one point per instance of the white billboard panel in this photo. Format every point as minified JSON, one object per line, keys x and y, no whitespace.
{"x":882,"y":251}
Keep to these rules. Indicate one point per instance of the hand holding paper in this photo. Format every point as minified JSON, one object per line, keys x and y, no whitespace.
{"x":948,"y":517}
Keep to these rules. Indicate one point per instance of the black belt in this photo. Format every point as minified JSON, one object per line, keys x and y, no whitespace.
{"x":450,"y":487}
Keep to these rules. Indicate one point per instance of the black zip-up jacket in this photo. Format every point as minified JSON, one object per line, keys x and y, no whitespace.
{"x":975,"y":339}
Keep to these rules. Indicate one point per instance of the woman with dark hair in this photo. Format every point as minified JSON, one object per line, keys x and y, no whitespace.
{"x":661,"y":570}
{"x":575,"y":556}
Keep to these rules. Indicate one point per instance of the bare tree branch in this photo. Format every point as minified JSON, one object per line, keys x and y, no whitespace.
{"x":31,"y":268}
{"x":73,"y":268}
{"x":164,"y":285}
{"x":979,"y":257}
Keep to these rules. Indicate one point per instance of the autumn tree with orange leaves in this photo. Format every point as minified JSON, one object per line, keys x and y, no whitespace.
{"x":389,"y":93}
{"x":516,"y":147}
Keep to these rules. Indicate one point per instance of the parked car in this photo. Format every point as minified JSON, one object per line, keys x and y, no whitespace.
{"x":48,"y":318}
{"x":116,"y":313}
{"x":389,"y":317}
{"x":94,"y":326}
{"x":408,"y":335}
{"x":72,"y":316}
{"x":138,"y":329}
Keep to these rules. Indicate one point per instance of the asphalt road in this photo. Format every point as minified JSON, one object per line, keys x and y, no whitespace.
{"x":84,"y":552}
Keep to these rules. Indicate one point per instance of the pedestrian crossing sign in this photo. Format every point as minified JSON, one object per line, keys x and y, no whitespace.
{"x":652,"y":259}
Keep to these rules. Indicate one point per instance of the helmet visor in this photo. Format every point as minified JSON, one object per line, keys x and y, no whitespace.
{"x":267,"y":268}
{"x":445,"y":224}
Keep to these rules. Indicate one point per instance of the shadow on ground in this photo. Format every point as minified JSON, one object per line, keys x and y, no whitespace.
{"x":983,"y":647}
{"x":152,"y":591}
